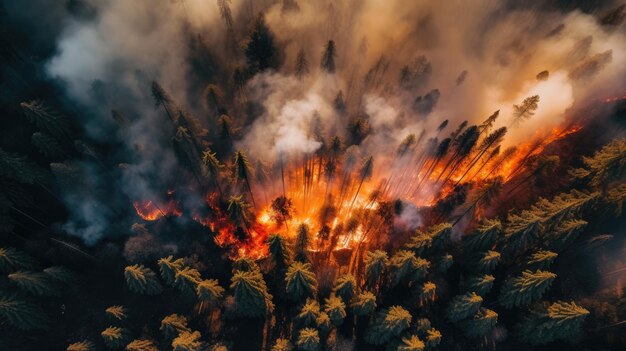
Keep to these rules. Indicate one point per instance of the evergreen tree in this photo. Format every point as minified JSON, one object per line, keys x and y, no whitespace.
{"x":564,"y":234}
{"x":115,"y":337}
{"x":209,"y":291}
{"x":405,"y":267}
{"x":282,"y":345}
{"x":261,"y":53}
{"x":481,"y":324}
{"x":336,"y":309}
{"x":60,"y":274}
{"x":250,"y":293}
{"x":187,"y":280}
{"x":302,"y":64}
{"x":345,"y":287}
{"x":525,"y":110}
{"x":427,"y":293}
{"x":483,"y":237}
{"x":142,"y":280}
{"x":607,"y":165}
{"x":116,"y":312}
{"x":81,"y":346}
{"x":480,"y":284}
{"x":363,"y":304}
{"x":173,"y":325}
{"x":47,"y":119}
{"x":187,"y":341}
{"x":169,"y":267}
{"x":558,"y":321}
{"x":389,"y":323}
{"x":35,"y":283}
{"x":463,"y":306}
{"x":526,"y":288}
{"x":12,"y":260}
{"x":328,"y":58}
{"x":412,"y":343}
{"x":308,"y":339}
{"x":309,"y":313}
{"x":541,"y":259}
{"x":376,"y":263}
{"x":487,"y":261}
{"x":21,"y":314}
{"x":141,"y":345}
{"x":302,"y":243}
{"x":433,"y":338}
{"x":300,"y":281}
{"x":420,"y":242}
{"x":279,"y":249}
{"x":242,"y":172}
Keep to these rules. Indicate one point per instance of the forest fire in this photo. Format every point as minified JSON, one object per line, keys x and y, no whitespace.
{"x":151,"y":211}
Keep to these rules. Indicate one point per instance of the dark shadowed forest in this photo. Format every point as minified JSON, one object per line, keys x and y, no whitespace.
{"x":283,"y":175}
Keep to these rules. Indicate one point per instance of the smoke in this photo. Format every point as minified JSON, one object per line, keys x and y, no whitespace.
{"x":463,"y":60}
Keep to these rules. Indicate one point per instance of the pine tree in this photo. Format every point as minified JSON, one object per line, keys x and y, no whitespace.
{"x":389,"y":323}
{"x":261,"y":53}
{"x":115,"y":337}
{"x":405,"y":267}
{"x":302,"y":65}
{"x":564,"y":234}
{"x":173,"y":325}
{"x":142,"y":280}
{"x":487,"y":261}
{"x":336,"y":309}
{"x":21,"y":314}
{"x":412,"y":343}
{"x":187,"y":280}
{"x":47,"y":119}
{"x":279,"y":249}
{"x":35,"y":283}
{"x":427,"y":293}
{"x":363,"y":304}
{"x":433,"y":338}
{"x":308,"y":339}
{"x":12,"y":260}
{"x":209,"y":291}
{"x":541,"y":259}
{"x":525,"y":110}
{"x":48,"y":146}
{"x":84,"y":345}
{"x":526,"y":288}
{"x":328,"y":58}
{"x":302,"y":243}
{"x":480,"y":284}
{"x":345,"y":287}
{"x":238,"y":211}
{"x":60,"y":274}
{"x":558,"y":321}
{"x":607,"y":165}
{"x":483,"y":237}
{"x":116,"y":312}
{"x":376,"y":263}
{"x":141,"y":345}
{"x":443,"y":263}
{"x":309,"y":313}
{"x":187,"y":341}
{"x":18,"y":168}
{"x":282,"y":345}
{"x":481,"y":324}
{"x":242,"y":172}
{"x":463,"y":306}
{"x":169,"y":267}
{"x":420,"y":242}
{"x":300,"y":281}
{"x":250,"y":293}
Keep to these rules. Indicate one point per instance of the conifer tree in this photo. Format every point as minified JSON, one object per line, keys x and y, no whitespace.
{"x":187,"y":341}
{"x":363,"y":304}
{"x":300,"y":281}
{"x":483,"y":237}
{"x":84,"y":345}
{"x":302,"y":64}
{"x":606,"y":165}
{"x":481,"y":324}
{"x":433,"y":338}
{"x":389,"y":323}
{"x":261,"y":52}
{"x":48,"y":146}
{"x":405,"y":267}
{"x":173,"y":325}
{"x":308,"y":339}
{"x":309,"y":313}
{"x":557,"y":321}
{"x":47,"y":119}
{"x":115,"y":337}
{"x":242,"y":172}
{"x":187,"y":280}
{"x":376,"y":263}
{"x":412,"y":343}
{"x":487,"y":261}
{"x":141,"y":345}
{"x":169,"y":267}
{"x":209,"y":291}
{"x":116,"y":312}
{"x":250,"y":293}
{"x":427,"y":293}
{"x":328,"y":58}
{"x":35,"y":283}
{"x":480,"y":284}
{"x":526,"y":288}
{"x":18,"y":168}
{"x":541,"y":259}
{"x":302,"y":243}
{"x":21,"y":314}
{"x":525,"y":110}
{"x":60,"y":274}
{"x":12,"y":260}
{"x":142,"y":280}
{"x":279,"y":249}
{"x":282,"y":345}
{"x":336,"y":309}
{"x":345,"y":287}
{"x":463,"y":306}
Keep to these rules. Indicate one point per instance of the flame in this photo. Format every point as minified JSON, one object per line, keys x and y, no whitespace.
{"x":150,"y":211}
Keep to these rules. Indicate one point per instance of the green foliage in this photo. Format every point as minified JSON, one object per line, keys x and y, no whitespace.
{"x":419,"y":242}
{"x":169,"y":267}
{"x":309,"y":313}
{"x":18,"y":168}
{"x":279,"y":250}
{"x":526,"y":288}
{"x":616,"y":197}
{"x":564,"y":234}
{"x":558,"y":321}
{"x":250,"y":293}
{"x":12,"y":260}
{"x":345,"y":286}
{"x":209,"y":290}
{"x":443,"y":263}
{"x":336,"y":309}
{"x":427,"y":293}
{"x":116,"y":312}
{"x":47,"y":119}
{"x":141,"y":345}
{"x":463,"y":306}
{"x":607,"y":165}
{"x":389,"y":323}
{"x":81,"y":346}
{"x":282,"y":345}
{"x":363,"y":303}
{"x":35,"y":283}
{"x":300,"y":281}
{"x":440,"y":235}
{"x":21,"y":314}
{"x":487,"y":261}
{"x":187,"y":341}
{"x":481,"y":324}
{"x":142,"y":280}
{"x":61,"y":274}
{"x":433,"y":338}
{"x":114,"y":337}
{"x":173,"y":325}
{"x":541,"y":259}
{"x":483,"y":237}
{"x":324,"y":324}
{"x":187,"y":280}
{"x":302,"y":243}
{"x":375,"y":264}
{"x":405,"y":267}
{"x":308,"y":339}
{"x":480,"y":284}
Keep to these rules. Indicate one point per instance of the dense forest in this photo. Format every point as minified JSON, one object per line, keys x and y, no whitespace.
{"x":284,"y":175}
